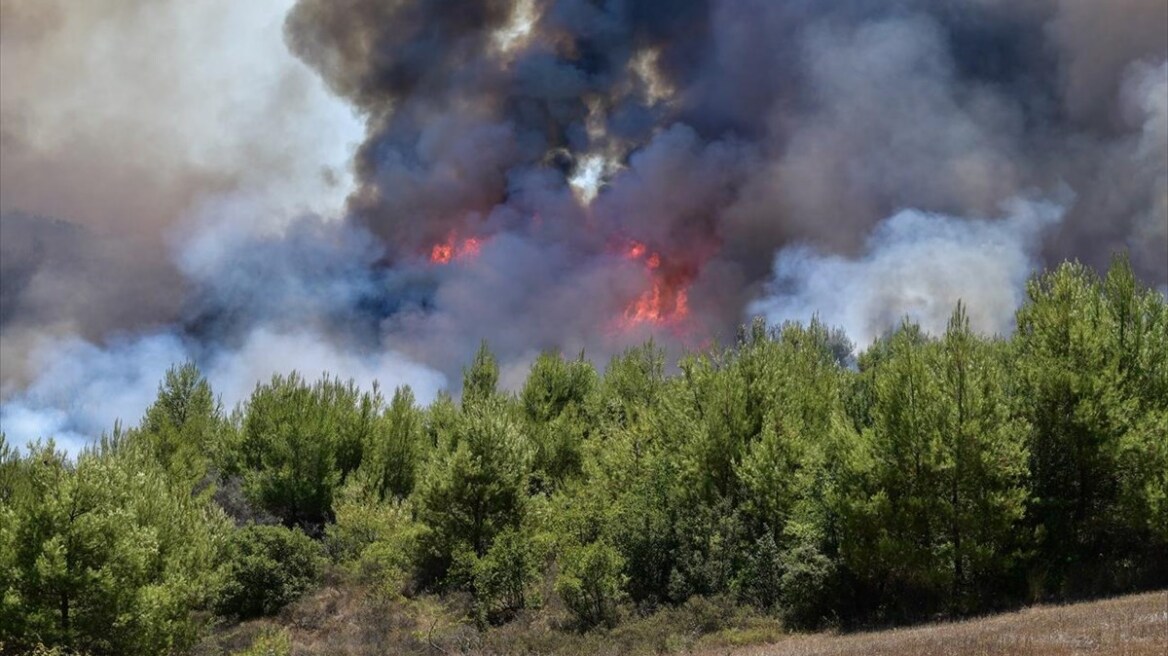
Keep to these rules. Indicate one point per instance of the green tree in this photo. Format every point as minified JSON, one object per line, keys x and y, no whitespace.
{"x":397,"y":449}
{"x":300,"y":441}
{"x":474,"y":487}
{"x":985,"y":472}
{"x":374,"y":539}
{"x":591,"y":583}
{"x":555,"y":406}
{"x":481,"y":378}
{"x":897,"y":533}
{"x":947,"y":481}
{"x":1091,"y":357}
{"x":503,"y":579}
{"x":104,"y":555}
{"x":183,"y":423}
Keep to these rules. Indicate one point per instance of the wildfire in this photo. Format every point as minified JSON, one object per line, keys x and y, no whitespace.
{"x":452,"y":249}
{"x":667,"y":299}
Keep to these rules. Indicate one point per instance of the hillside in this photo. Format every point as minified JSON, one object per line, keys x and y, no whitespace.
{"x":1131,"y":626}
{"x":334,"y":622}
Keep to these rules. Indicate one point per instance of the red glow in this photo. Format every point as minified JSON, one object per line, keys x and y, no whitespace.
{"x":441,"y":253}
{"x":451,"y":249}
{"x":667,"y":299}
{"x":470,"y":247}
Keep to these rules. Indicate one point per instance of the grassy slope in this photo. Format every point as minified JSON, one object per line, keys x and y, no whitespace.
{"x":343,"y":620}
{"x":1132,"y":625}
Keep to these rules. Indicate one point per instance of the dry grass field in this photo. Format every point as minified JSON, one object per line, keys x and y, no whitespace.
{"x":342,"y":622}
{"x":1135,"y":625}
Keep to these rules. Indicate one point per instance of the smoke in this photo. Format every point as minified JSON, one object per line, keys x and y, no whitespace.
{"x":119,"y":120}
{"x":573,"y":175}
{"x":84,"y":389}
{"x":915,"y":266}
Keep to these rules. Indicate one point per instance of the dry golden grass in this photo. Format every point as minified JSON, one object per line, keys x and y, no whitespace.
{"x":346,"y":620}
{"x":1135,"y":625}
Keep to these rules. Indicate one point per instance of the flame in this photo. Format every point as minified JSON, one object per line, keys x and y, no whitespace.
{"x":442,"y":253}
{"x":660,"y":304}
{"x":470,"y":247}
{"x":452,"y":249}
{"x":667,"y":299}
{"x":635,"y":251}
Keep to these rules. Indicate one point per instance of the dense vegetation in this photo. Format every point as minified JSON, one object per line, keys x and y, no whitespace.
{"x":947,"y":474}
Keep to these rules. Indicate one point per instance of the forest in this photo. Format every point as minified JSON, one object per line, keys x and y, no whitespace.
{"x":921,"y":476}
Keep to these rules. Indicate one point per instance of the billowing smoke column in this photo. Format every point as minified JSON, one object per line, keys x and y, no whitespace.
{"x":582,"y":174}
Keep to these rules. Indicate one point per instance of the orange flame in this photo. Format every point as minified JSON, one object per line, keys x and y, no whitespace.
{"x":451,"y":249}
{"x":441,"y":253}
{"x":667,"y":299}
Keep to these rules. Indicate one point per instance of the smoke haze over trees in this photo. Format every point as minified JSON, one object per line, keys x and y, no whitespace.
{"x":944,"y":474}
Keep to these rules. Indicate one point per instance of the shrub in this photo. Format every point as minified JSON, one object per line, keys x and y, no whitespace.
{"x":504,"y":576}
{"x":373,"y":540}
{"x":591,"y":583}
{"x":267,"y":568}
{"x":270,"y":643}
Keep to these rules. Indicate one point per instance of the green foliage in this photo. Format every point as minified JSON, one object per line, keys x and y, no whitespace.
{"x":396,"y":451}
{"x":299,"y":441}
{"x":475,"y":486}
{"x":1091,"y":356}
{"x":591,"y":583}
{"x":374,"y":539}
{"x":555,"y":408}
{"x":480,"y":379}
{"x":946,"y":484}
{"x":760,"y":579}
{"x":266,"y":568}
{"x":182,"y":424}
{"x":104,"y":555}
{"x":503,"y":579}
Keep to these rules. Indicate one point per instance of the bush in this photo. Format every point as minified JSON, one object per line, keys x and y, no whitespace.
{"x":267,"y":568}
{"x":270,"y":643}
{"x":372,"y":540}
{"x":504,"y":576}
{"x":591,"y":583}
{"x":807,"y":584}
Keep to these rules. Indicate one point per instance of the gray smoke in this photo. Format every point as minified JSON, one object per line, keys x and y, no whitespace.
{"x":915,"y":266}
{"x":550,"y":174}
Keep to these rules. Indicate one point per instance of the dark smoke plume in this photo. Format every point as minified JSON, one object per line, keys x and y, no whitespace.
{"x":581,"y":174}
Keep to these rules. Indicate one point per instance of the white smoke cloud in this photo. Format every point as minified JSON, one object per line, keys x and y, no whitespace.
{"x":916,"y":265}
{"x":123,"y":114}
{"x":131,"y":126}
{"x":267,"y":352}
{"x":83,"y":389}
